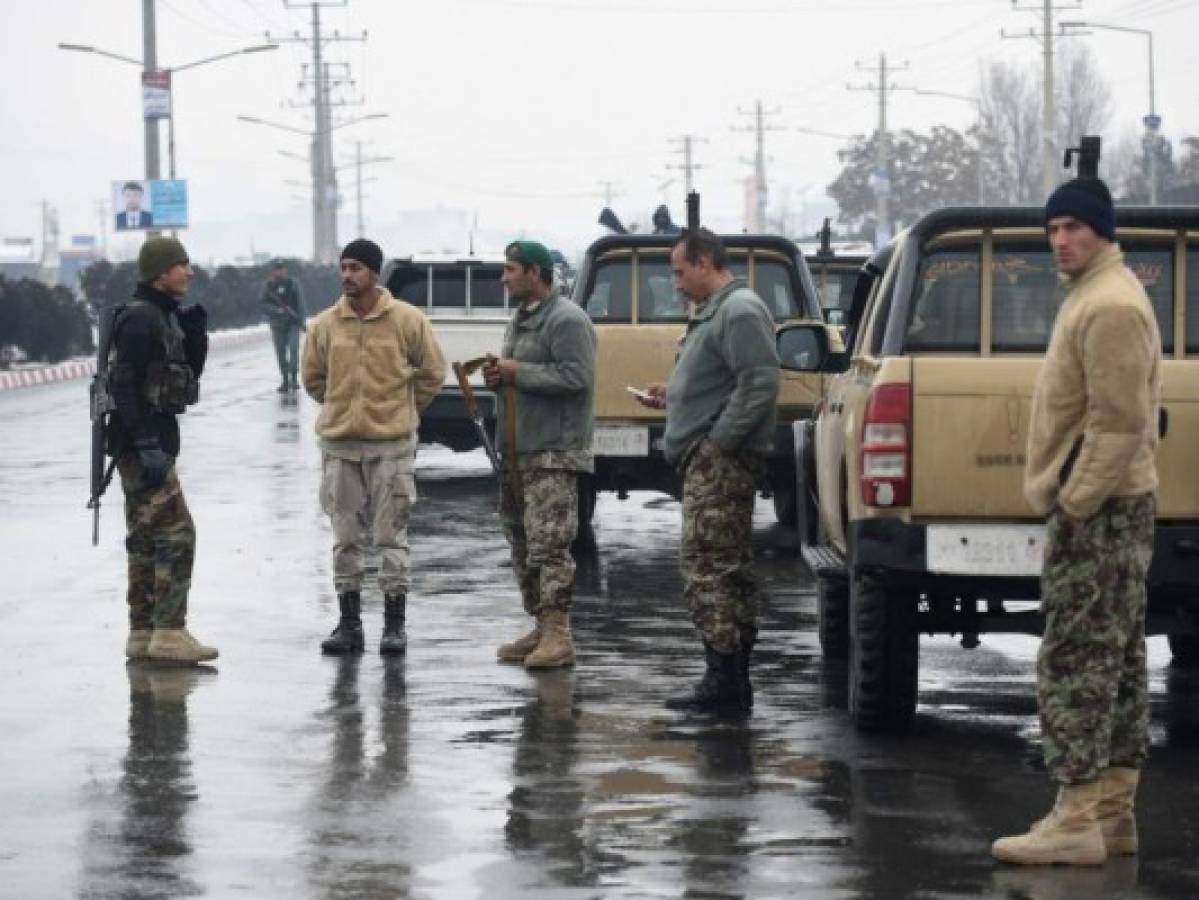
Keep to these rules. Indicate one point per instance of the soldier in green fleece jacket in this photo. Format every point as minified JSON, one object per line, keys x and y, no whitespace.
{"x":720,"y":415}
{"x":545,"y":378}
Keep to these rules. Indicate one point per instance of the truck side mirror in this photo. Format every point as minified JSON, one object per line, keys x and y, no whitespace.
{"x":806,"y":348}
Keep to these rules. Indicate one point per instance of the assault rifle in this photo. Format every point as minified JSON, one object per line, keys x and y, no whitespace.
{"x":102,"y":408}
{"x":463,"y":371}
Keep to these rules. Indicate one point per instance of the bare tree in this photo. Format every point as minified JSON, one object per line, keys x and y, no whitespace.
{"x":1084,"y":98}
{"x":1011,"y":110}
{"x":1011,"y":105}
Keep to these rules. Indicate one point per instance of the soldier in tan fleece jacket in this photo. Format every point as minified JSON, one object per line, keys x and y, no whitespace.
{"x":373,"y":364}
{"x":1090,"y":468}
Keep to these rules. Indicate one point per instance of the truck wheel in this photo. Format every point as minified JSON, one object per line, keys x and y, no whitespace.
{"x":785,"y":509}
{"x":884,"y":653}
{"x":585,"y":535}
{"x":832,"y":617}
{"x":1185,"y":648}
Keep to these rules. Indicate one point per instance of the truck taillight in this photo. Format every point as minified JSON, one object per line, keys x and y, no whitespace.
{"x":886,"y":447}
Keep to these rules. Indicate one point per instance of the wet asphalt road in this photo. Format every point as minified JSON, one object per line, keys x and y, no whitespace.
{"x":280,"y":773}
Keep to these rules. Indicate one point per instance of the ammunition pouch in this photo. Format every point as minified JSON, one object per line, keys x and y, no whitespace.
{"x":171,"y":387}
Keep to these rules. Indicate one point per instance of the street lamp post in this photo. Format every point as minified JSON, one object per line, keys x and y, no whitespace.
{"x":150,"y":65}
{"x":978,"y":103}
{"x":1152,"y":122}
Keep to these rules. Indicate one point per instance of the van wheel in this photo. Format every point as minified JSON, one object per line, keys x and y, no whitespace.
{"x":785,"y":508}
{"x":884,"y":655}
{"x":832,"y":617}
{"x":1185,"y":648}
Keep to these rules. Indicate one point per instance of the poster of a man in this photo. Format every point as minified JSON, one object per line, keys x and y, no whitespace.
{"x":132,"y":213}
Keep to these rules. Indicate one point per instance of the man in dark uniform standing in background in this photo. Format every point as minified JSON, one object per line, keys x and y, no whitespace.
{"x":158,"y":355}
{"x":284,"y":304}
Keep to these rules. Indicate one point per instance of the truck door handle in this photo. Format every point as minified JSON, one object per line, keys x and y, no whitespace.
{"x":1163,"y":422}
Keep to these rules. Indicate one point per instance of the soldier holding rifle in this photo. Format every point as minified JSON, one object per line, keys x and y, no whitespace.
{"x":545,"y":378}
{"x":284,"y":304}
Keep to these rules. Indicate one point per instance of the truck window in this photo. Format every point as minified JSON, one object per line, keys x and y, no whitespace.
{"x":449,"y":291}
{"x":486,"y":289}
{"x":944,"y":313}
{"x":1192,"y":298}
{"x":410,"y":283}
{"x":1025,"y":296}
{"x":657,"y":299}
{"x":611,"y":296}
{"x":1154,"y":268}
{"x":772,"y":281}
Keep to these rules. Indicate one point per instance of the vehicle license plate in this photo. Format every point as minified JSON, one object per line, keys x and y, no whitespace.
{"x":985,"y":549}
{"x":620,"y":440}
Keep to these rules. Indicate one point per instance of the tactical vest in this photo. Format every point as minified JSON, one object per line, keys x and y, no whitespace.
{"x":171,"y":385}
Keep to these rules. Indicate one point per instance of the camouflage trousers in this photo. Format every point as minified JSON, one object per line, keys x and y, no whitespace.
{"x":716,"y":557}
{"x":540,"y":518}
{"x":160,"y":540}
{"x":1092,"y":678}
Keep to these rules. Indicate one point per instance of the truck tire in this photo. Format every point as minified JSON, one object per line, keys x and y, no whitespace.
{"x":884,"y":654}
{"x":1185,"y":648}
{"x":832,"y":617}
{"x":785,"y":508}
{"x":585,"y":535}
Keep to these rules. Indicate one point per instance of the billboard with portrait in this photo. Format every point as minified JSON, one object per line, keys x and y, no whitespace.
{"x":141,"y":205}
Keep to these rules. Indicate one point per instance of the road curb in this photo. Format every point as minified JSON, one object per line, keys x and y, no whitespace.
{"x":84,"y":368}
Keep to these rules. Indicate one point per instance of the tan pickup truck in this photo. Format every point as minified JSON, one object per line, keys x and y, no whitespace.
{"x":912,"y":513}
{"x":625,"y":284}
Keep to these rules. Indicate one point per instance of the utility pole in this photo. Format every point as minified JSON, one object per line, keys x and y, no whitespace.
{"x":1049,"y":156}
{"x":609,"y":192}
{"x":102,"y":214}
{"x":688,"y":166}
{"x":757,"y":223}
{"x":324,"y":175}
{"x":150,"y":64}
{"x":881,"y":178}
{"x":359,"y":162}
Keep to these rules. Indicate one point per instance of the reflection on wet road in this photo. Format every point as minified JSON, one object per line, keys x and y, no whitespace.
{"x":279,"y":773}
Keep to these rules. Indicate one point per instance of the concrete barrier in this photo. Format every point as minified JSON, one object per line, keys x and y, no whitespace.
{"x":84,"y":368}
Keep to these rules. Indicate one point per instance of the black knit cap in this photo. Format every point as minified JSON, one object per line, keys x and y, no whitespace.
{"x":1085,"y":199}
{"x":366,"y":252}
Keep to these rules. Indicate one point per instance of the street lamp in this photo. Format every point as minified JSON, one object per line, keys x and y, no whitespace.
{"x":87,"y":48}
{"x":978,"y":104}
{"x":1153,"y":122}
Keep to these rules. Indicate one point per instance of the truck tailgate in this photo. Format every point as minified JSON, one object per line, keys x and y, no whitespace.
{"x":970,"y":425}
{"x":969,"y":428}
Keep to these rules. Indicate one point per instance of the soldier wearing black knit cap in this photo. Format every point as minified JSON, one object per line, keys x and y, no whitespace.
{"x":1091,"y":470}
{"x":374,"y":364}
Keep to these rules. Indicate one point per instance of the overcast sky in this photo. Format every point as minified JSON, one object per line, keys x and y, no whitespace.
{"x":517,"y":111}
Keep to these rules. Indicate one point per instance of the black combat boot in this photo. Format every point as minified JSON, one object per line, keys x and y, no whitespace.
{"x":347,"y":636}
{"x":749,"y":637}
{"x":394,"y":640}
{"x":720,"y":689}
{"x":283,"y":387}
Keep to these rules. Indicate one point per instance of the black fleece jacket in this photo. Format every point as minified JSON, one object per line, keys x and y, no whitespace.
{"x":139,"y":340}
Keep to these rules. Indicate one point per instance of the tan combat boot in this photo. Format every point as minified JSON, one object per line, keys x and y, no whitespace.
{"x":1069,"y":834}
{"x":1115,"y":810}
{"x":176,"y":645}
{"x":138,"y":643}
{"x":556,"y":647}
{"x":517,"y":650}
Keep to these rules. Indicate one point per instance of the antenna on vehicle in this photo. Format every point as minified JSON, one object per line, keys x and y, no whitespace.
{"x":693,"y":210}
{"x":1088,"y":156}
